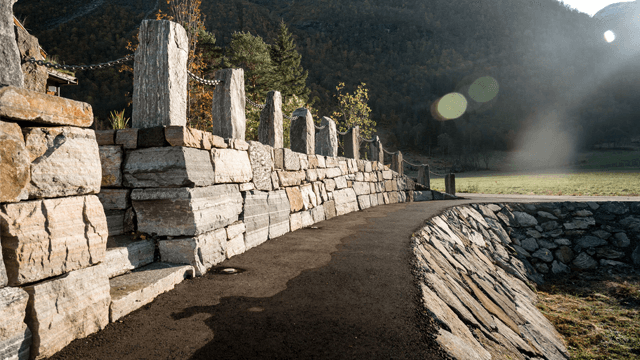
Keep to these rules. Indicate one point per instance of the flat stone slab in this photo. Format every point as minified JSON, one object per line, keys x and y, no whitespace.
{"x":66,"y":308}
{"x":168,"y":167}
{"x":256,"y":218}
{"x":231,"y":166}
{"x":115,"y":199}
{"x":345,"y":201}
{"x":45,"y":238}
{"x":14,"y":164}
{"x":201,"y":252}
{"x":26,"y":105}
{"x":15,"y":336}
{"x":279,"y":210}
{"x":125,"y":254}
{"x":186,"y":211}
{"x":132,"y":291}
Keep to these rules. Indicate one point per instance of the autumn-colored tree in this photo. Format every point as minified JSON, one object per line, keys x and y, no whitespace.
{"x":353,"y":110}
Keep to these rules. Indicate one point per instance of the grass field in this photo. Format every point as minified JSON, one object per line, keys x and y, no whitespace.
{"x":597,"y":183}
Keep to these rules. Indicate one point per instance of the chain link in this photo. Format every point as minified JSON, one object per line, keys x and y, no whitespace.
{"x":390,"y":153}
{"x":365,"y":140}
{"x":343,"y":133}
{"x":81,"y":67}
{"x":288,"y":117}
{"x":319,"y":127}
{"x":203,"y":81}
{"x":255,"y":104}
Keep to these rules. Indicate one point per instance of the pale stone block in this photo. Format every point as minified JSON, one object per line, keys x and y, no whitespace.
{"x":285,"y":159}
{"x":296,"y":221}
{"x":364,"y":201}
{"x":330,"y":184}
{"x":186,"y":211}
{"x":302,"y":132}
{"x":373,"y":199}
{"x":279,"y":210}
{"x":394,"y":197}
{"x":318,"y":214}
{"x":11,"y":73}
{"x":317,"y":191}
{"x":15,"y":337}
{"x":345,"y":201}
{"x":270,"y":130}
{"x":15,"y":165}
{"x":387,"y":174}
{"x":247,"y":186}
{"x":261,"y":164}
{"x":344,"y":167}
{"x":381,"y":199}
{"x":45,"y":238}
{"x":132,"y":291}
{"x":362,"y":188}
{"x":185,"y":136}
{"x":111,"y":161}
{"x":296,"y":203}
{"x":275,"y":180}
{"x":124,"y":255}
{"x":341,"y":182}
{"x":256,"y":218}
{"x":235,"y":229}
{"x":236,"y":246}
{"x":115,"y":199}
{"x":231,"y":166}
{"x":66,"y":308}
{"x":4,"y":280}
{"x":237,"y":144}
{"x":291,"y":178}
{"x":331,"y":161}
{"x":313,"y":161}
{"x":307,"y":218}
{"x":160,"y":78}
{"x":202,"y":251}
{"x":329,"y":209}
{"x":312,"y":175}
{"x":321,"y":161}
{"x":385,"y":196}
{"x":228,"y":107}
{"x":65,"y":161}
{"x":168,"y":167}
{"x":309,"y":199}
{"x":322,"y":173}
{"x":35,"y":77}
{"x":327,"y":138}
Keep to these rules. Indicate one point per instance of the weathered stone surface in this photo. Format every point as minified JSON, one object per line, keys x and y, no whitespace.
{"x":15,"y":337}
{"x":14,"y":164}
{"x":529,"y":244}
{"x":115,"y":199}
{"x":237,"y":144}
{"x":256,"y":218}
{"x":124,"y":254}
{"x":66,"y":308}
{"x":564,"y":254}
{"x":111,"y":161}
{"x":610,"y":254}
{"x":631,"y":222}
{"x":168,"y":167}
{"x":544,"y":255}
{"x":9,"y":54}
{"x":584,"y":262}
{"x":115,"y":222}
{"x":327,"y":138}
{"x":262,"y":165}
{"x":231,"y":166}
{"x":132,"y":291}
{"x":152,"y":137}
{"x":270,"y":130}
{"x":235,"y":246}
{"x":201,"y":252}
{"x":45,"y":238}
{"x":635,"y":256}
{"x":559,"y":268}
{"x":364,"y":201}
{"x":329,"y":209}
{"x":524,"y":219}
{"x":302,"y":132}
{"x":127,"y":138}
{"x":291,"y":178}
{"x":318,"y":214}
{"x":279,"y":210}
{"x":194,"y":138}
{"x":579,"y":223}
{"x":621,"y":240}
{"x":228,"y":110}
{"x":247,"y":186}
{"x":616,"y":208}
{"x":309,"y":199}
{"x":35,"y":77}
{"x":295,"y":220}
{"x":590,"y":241}
{"x":235,"y":229}
{"x":345,"y":201}
{"x":65,"y":161}
{"x":186,"y":211}
{"x":160,"y":77}
{"x":294,"y":195}
{"x":106,"y":137}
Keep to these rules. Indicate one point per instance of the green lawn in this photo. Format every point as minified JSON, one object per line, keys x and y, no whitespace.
{"x":622,"y":183}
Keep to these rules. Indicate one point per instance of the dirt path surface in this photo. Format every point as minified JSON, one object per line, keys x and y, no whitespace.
{"x":342,"y":290}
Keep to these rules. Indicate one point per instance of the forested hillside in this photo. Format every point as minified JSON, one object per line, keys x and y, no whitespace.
{"x":553,"y":67}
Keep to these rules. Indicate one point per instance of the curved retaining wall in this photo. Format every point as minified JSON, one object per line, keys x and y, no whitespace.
{"x":478,"y":265}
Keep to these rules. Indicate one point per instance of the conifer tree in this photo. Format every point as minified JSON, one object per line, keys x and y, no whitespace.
{"x":251,"y":53}
{"x":291,"y":78}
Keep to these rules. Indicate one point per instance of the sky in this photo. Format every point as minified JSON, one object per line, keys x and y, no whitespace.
{"x":591,"y":6}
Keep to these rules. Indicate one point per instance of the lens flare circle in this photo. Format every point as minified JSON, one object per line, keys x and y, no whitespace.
{"x":484,"y":89}
{"x":451,"y":106}
{"x":609,"y":36}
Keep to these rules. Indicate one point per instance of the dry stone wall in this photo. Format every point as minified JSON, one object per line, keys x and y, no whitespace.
{"x":476,"y":276}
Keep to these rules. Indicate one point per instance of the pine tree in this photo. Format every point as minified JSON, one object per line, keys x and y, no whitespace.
{"x":251,"y":53}
{"x":291,"y":78}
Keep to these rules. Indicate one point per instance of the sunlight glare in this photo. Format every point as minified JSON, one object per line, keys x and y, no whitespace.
{"x":484,"y":89}
{"x":610,"y":36}
{"x":451,"y":106}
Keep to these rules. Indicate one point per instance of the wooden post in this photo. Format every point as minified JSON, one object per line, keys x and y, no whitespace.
{"x":352,"y":144}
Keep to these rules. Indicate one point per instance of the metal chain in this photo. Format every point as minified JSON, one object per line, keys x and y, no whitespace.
{"x":319,"y":127}
{"x":343,"y":133}
{"x":288,"y":117}
{"x":365,"y":140}
{"x":436,"y":174}
{"x":389,"y":153}
{"x":413,"y":164}
{"x":255,"y":104}
{"x":82,"y":67}
{"x":203,"y":81}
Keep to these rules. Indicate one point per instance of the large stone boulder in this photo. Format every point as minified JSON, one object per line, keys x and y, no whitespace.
{"x":11,"y":73}
{"x":231,"y":166}
{"x":45,"y":238}
{"x":14,"y":164}
{"x":35,"y":77}
{"x":15,"y":336}
{"x":65,"y":161}
{"x":345,"y":201}
{"x":67,"y":308}
{"x":261,"y":157}
{"x":186,"y":211}
{"x":202,"y":251}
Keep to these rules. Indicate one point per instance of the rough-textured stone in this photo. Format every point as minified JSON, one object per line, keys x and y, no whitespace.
{"x":115,"y":222}
{"x":115,"y":199}
{"x":237,"y":144}
{"x":160,"y":77}
{"x":124,"y":254}
{"x":14,"y":164}
{"x":65,"y":161}
{"x":15,"y":337}
{"x":579,"y":223}
{"x":168,"y":167}
{"x":132,"y":291}
{"x":231,"y":166}
{"x":422,"y":196}
{"x":228,"y":107}
{"x":202,"y":251}
{"x":590,"y":241}
{"x":111,"y":161}
{"x":106,"y":137}
{"x":530,"y":244}
{"x":127,"y":138}
{"x":45,"y":238}
{"x":631,"y":223}
{"x":186,"y":211}
{"x":609,"y":253}
{"x":635,"y":256}
{"x":616,"y":208}
{"x":256,"y":218}
{"x":302,"y":132}
{"x":524,"y":219}
{"x":584,"y":262}
{"x":564,"y":254}
{"x":279,"y":210}
{"x":318,"y":214}
{"x":544,"y":255}
{"x":235,"y":246}
{"x":291,"y":178}
{"x":307,"y":218}
{"x":364,"y":201}
{"x":295,"y":220}
{"x":294,"y":195}
{"x":621,"y":240}
{"x":66,"y":308}
{"x":152,"y":137}
{"x":35,"y":77}
{"x":345,"y":201}
{"x":262,"y":165}
{"x":270,"y":130}
{"x":194,"y":138}
{"x":329,"y":209}
{"x":559,"y":268}
{"x":309,"y":199}
{"x":11,"y":73}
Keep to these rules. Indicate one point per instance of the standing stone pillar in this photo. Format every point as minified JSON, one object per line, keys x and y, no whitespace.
{"x":270,"y":129}
{"x":396,"y":163}
{"x":375,"y":150}
{"x":327,"y":139}
{"x":424,"y":176}
{"x":352,"y":143}
{"x":450,"y":184}
{"x":10,"y":70}
{"x":228,"y":106}
{"x":302,"y":132}
{"x":160,"y":75}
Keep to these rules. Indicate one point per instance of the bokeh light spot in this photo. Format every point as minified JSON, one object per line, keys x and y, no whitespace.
{"x":484,"y":89}
{"x":609,"y":36}
{"x":452,"y":106}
